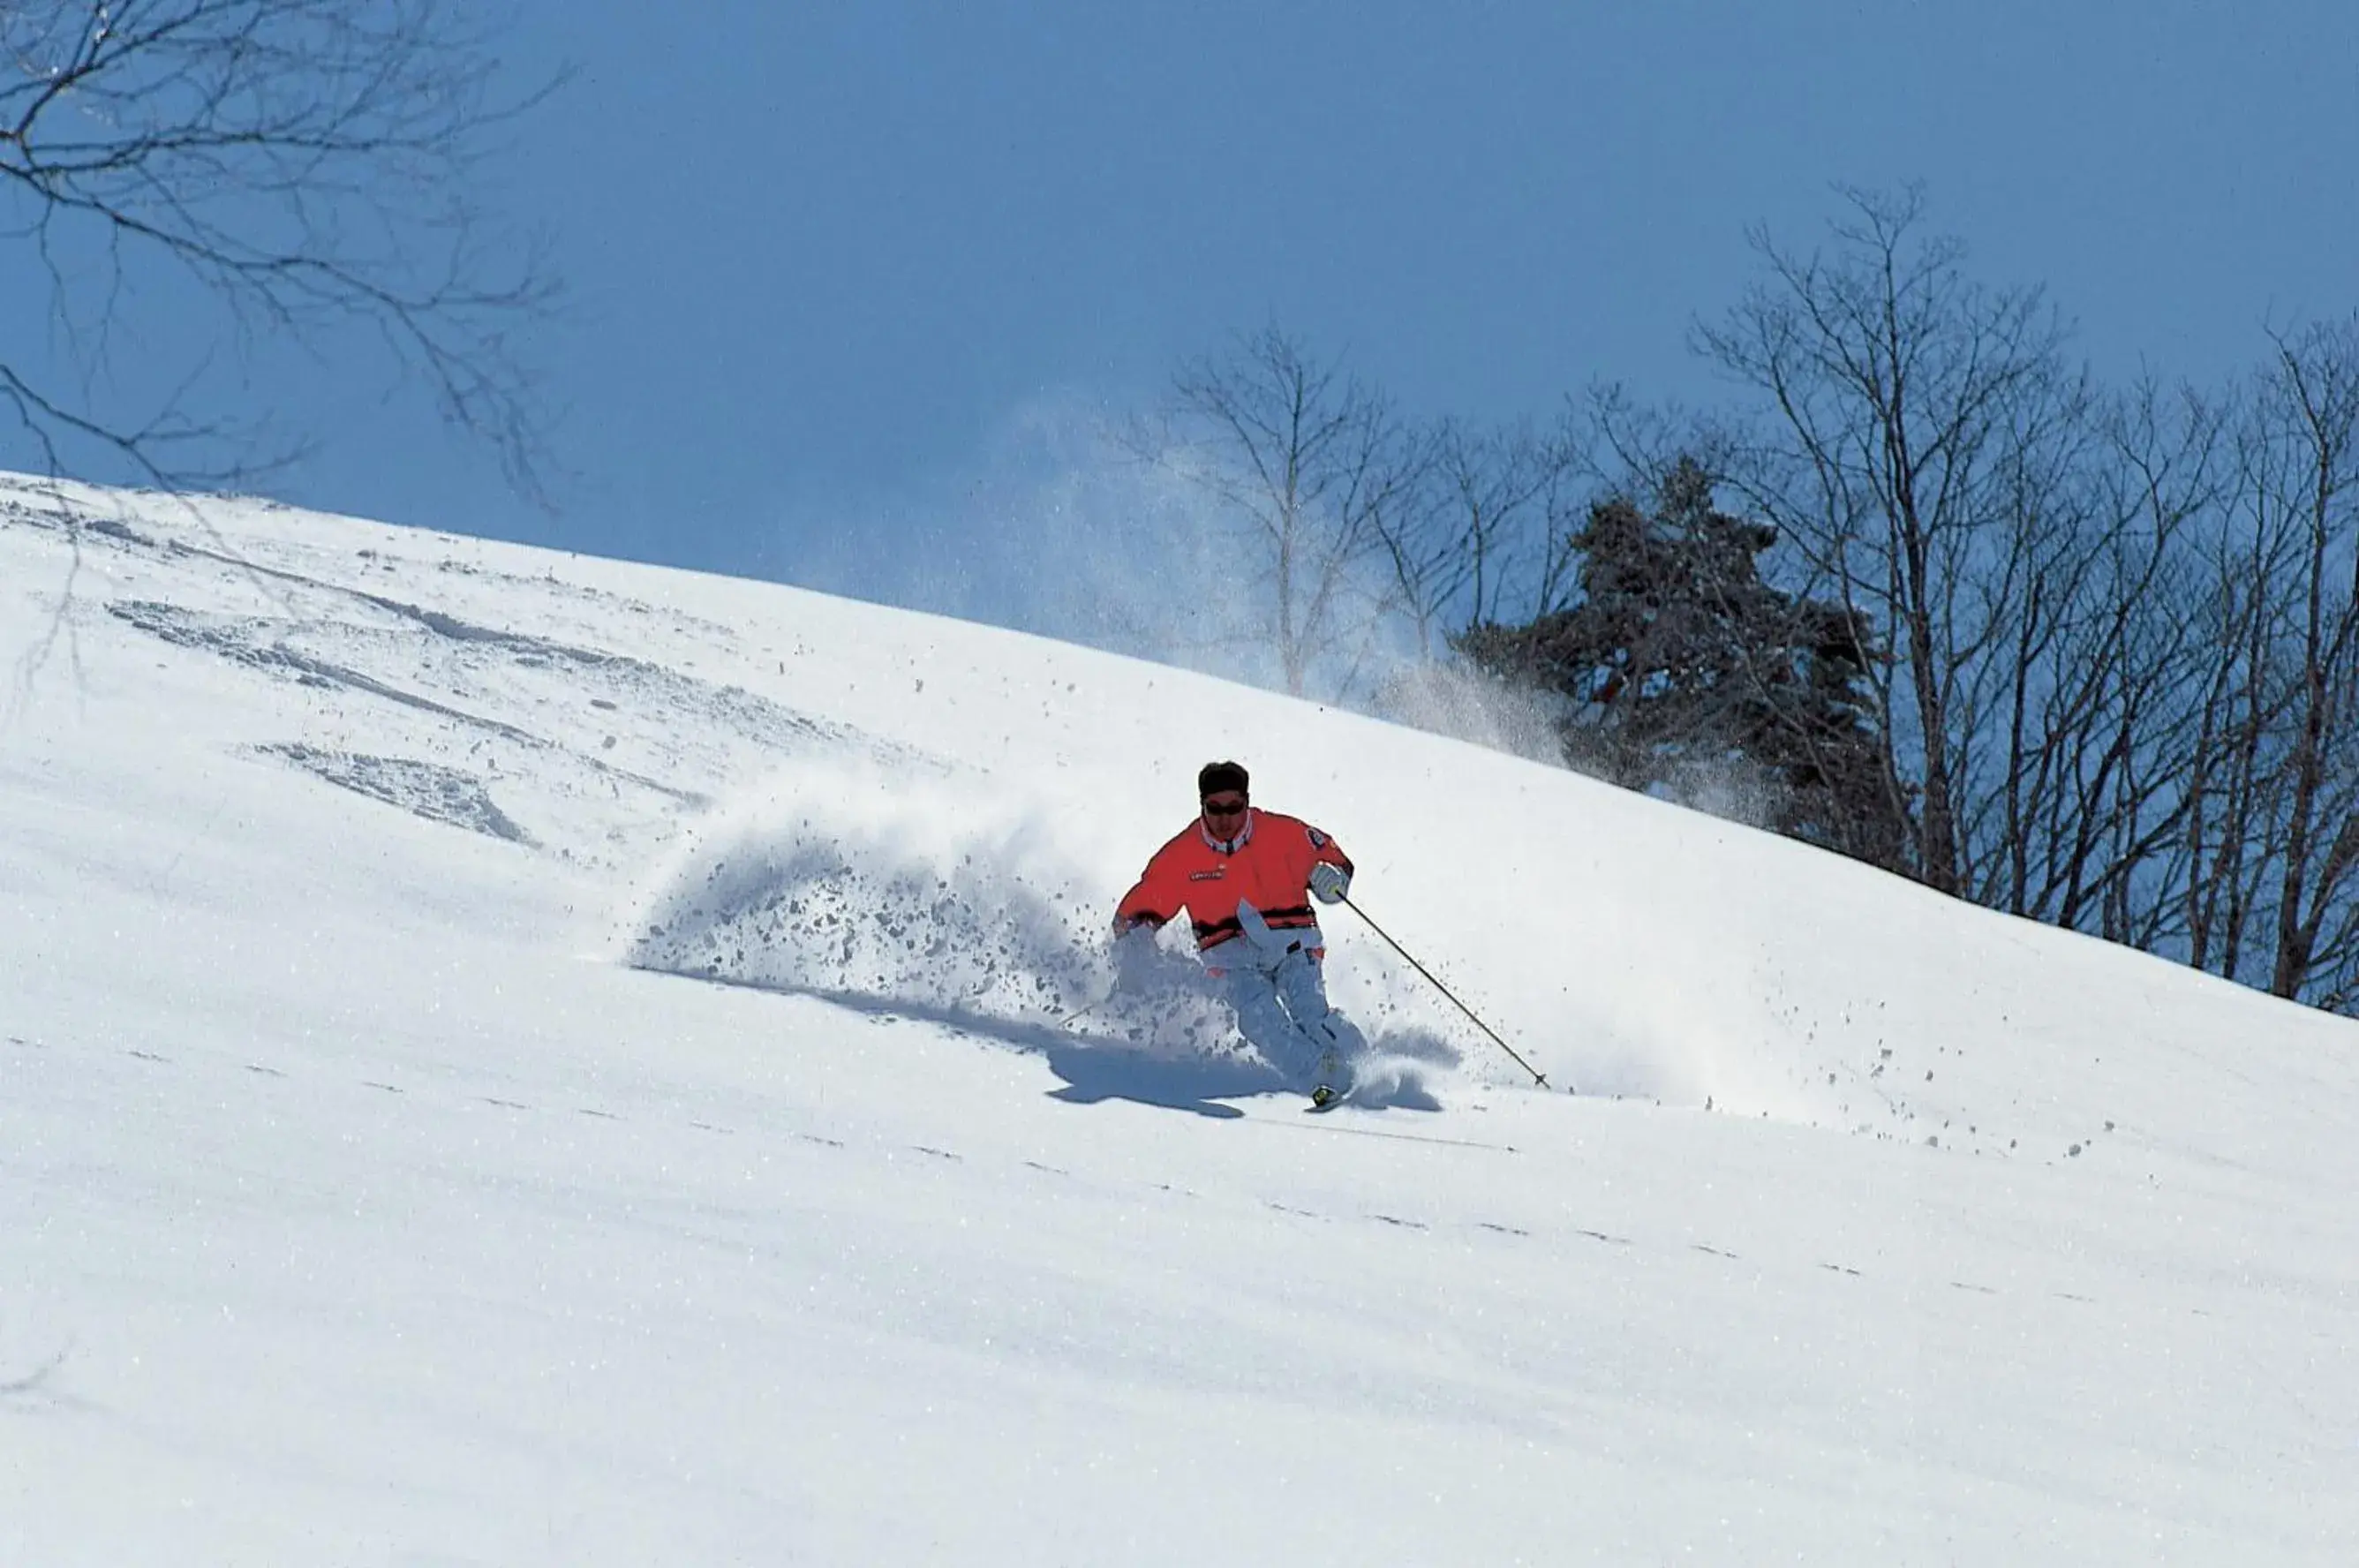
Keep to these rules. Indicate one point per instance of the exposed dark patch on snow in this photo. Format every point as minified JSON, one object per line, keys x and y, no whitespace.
{"x":426,"y":790}
{"x":12,"y":510}
{"x":33,"y":508}
{"x":37,"y":505}
{"x":113,"y":528}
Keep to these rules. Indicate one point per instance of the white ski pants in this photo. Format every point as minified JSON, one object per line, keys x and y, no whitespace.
{"x":1281,"y":1005}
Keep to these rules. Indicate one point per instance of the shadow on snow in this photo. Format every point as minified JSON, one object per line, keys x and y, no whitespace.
{"x":1095,"y":1068}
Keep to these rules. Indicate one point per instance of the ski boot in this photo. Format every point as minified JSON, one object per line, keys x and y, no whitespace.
{"x":1331,"y":1082}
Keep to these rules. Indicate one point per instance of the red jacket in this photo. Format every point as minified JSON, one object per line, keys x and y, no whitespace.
{"x":1268,"y":863}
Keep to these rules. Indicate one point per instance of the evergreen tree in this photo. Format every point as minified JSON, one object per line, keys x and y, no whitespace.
{"x":1683,"y":672}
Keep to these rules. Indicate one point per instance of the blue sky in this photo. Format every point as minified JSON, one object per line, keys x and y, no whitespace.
{"x":838,"y":272}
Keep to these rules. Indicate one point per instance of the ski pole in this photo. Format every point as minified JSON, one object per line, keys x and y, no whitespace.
{"x":1538,"y":1076}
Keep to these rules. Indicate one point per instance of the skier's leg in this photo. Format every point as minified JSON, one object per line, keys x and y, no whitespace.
{"x":1339,"y":1043}
{"x":1302,"y":985}
{"x":1263,"y":1020}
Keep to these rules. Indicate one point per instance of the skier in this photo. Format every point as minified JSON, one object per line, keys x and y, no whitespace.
{"x":1241,"y":873}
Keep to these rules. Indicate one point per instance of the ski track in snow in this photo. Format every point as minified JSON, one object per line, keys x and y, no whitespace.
{"x":218,"y":1078}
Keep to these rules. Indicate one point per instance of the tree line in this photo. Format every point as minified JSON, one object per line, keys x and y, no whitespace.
{"x":1930,"y":594}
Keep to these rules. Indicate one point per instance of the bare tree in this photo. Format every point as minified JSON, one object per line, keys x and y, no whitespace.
{"x":2101,"y":656}
{"x":1486,"y":533}
{"x":2304,"y":485}
{"x":2185,"y":772}
{"x":1305,"y":462}
{"x":303,"y":164}
{"x":2234,"y":821}
{"x":1906,"y":403}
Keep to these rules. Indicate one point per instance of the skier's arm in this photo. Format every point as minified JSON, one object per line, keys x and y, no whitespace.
{"x":1134,"y":912}
{"x":1331,"y":868}
{"x":1152,"y":901}
{"x":1326,"y":850}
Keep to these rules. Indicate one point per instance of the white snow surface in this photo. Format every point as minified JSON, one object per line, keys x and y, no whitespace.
{"x":514,"y":1058}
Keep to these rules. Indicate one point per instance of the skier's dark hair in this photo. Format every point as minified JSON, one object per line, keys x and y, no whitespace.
{"x":1216,"y":776}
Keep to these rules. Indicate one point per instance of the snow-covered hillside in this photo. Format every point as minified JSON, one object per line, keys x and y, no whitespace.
{"x":513,"y":1058}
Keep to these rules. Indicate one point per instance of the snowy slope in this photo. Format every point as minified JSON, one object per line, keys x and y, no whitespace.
{"x":513,"y":1058}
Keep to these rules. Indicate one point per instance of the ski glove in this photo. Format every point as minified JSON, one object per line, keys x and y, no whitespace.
{"x":1330,"y":882}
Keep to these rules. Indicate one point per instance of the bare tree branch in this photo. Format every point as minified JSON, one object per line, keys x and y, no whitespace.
{"x":306,"y":165}
{"x":1908,"y":403}
{"x":1306,"y":463}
